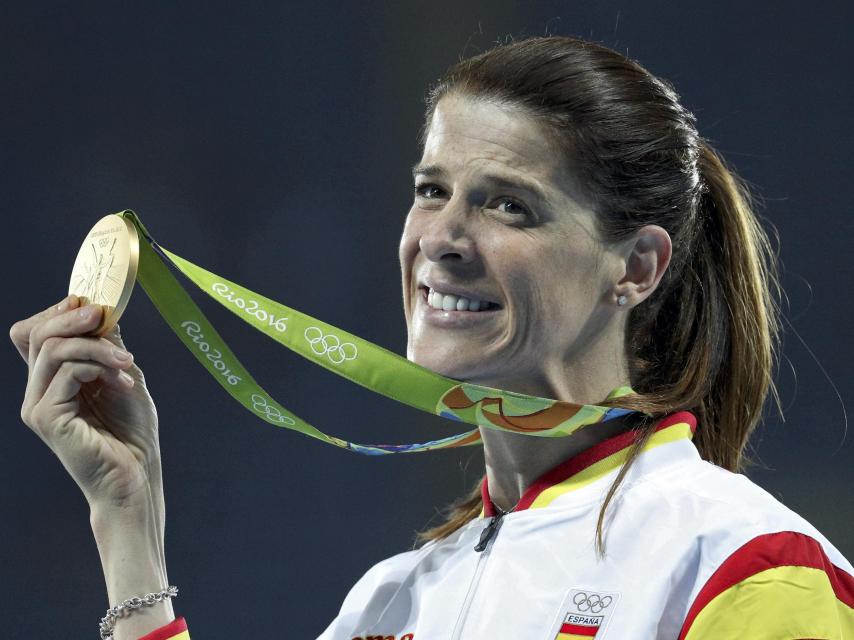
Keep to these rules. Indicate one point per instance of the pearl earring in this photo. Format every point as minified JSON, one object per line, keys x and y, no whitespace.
{"x":621,"y":300}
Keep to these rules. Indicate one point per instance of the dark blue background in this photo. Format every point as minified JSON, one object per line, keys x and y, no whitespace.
{"x":271,"y":143}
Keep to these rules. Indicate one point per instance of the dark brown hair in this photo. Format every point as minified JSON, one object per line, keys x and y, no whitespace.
{"x":707,"y":339}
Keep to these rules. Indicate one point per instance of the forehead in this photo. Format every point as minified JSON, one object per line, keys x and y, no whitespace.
{"x":469,"y":135}
{"x":465,"y":133}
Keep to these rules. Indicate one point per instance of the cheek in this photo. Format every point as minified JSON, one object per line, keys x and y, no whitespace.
{"x":408,"y":241}
{"x":562,"y":282}
{"x":407,"y":250}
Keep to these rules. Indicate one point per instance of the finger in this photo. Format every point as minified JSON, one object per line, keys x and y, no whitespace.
{"x":74,"y":322}
{"x":20,"y":331}
{"x":73,"y":374}
{"x":114,"y":336}
{"x":61,"y":394}
{"x":57,"y":350}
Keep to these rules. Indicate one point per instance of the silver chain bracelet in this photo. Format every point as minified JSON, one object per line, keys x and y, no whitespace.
{"x":108,"y":622}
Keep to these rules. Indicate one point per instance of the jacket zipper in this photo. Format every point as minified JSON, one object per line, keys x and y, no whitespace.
{"x":484,"y":545}
{"x":489,"y":533}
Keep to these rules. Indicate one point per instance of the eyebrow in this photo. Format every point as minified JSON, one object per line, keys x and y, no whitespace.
{"x":434,"y":170}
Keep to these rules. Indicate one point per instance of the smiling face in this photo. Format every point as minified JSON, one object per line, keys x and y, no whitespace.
{"x":498,"y":217}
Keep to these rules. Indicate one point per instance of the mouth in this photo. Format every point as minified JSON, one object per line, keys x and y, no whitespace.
{"x":454,"y":304}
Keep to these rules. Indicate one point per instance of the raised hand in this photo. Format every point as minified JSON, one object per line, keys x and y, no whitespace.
{"x":87,"y":400}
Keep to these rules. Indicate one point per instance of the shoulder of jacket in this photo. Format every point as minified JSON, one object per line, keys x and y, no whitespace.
{"x":406,"y":561}
{"x":781,"y":583}
{"x":760,"y":567}
{"x":700,"y":487}
{"x":403,"y":561}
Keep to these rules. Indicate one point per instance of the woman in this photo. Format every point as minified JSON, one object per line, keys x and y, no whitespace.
{"x":571,"y":233}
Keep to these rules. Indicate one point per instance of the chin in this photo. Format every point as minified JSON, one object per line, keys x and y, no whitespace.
{"x":450,"y":365}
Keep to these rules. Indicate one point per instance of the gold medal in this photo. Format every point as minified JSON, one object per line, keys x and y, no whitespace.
{"x":105,"y":270}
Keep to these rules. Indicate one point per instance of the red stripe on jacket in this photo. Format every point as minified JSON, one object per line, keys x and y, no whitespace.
{"x":579,"y":462}
{"x":167,"y":631}
{"x":785,"y":548}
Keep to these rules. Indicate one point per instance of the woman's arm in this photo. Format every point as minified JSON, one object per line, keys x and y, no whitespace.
{"x":87,"y":400}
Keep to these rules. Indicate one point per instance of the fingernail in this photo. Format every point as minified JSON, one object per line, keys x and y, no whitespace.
{"x":121,"y":355}
{"x":125,"y":378}
{"x":65,"y":304}
{"x":86,"y":312}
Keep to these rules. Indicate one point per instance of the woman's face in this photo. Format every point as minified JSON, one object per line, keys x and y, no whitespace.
{"x":498,"y":219}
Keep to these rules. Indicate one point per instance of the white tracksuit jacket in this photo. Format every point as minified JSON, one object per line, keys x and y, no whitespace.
{"x":692,"y":551}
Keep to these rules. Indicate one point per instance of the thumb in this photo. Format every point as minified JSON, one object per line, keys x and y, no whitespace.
{"x":114,"y":335}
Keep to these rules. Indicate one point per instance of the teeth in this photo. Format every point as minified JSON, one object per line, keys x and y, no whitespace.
{"x":451,"y":302}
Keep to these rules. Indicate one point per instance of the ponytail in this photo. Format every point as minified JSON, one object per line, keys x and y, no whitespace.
{"x":739,"y":289}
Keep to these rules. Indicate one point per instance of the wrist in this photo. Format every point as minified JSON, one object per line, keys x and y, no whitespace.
{"x":148,"y":495}
{"x":130,"y":545}
{"x":137,"y":604}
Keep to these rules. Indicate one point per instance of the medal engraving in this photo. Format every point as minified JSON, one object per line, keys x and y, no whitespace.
{"x":105,"y":269}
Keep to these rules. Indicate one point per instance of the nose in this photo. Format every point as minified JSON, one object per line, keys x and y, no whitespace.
{"x":448,"y":235}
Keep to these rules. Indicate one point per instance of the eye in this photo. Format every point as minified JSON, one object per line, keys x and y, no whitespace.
{"x":428,"y":190}
{"x":513,"y":207}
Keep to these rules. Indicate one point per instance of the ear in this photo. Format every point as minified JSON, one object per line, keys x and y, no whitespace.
{"x":646,"y":259}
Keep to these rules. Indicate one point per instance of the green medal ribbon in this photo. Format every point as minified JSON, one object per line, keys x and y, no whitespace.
{"x":347,"y":355}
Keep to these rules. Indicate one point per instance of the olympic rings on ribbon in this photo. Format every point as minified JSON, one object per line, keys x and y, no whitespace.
{"x":330,"y":346}
{"x":259,"y":403}
{"x":593,"y":602}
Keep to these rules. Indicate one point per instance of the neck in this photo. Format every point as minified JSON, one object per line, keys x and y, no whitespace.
{"x":514,"y":461}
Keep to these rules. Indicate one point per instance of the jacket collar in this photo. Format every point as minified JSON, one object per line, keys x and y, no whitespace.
{"x":594,"y":463}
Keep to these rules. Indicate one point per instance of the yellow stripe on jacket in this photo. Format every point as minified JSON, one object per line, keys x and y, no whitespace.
{"x":777,"y":585}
